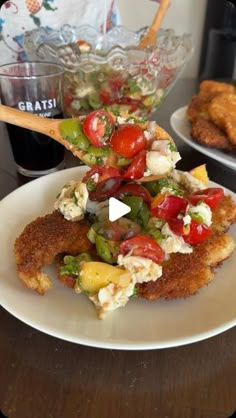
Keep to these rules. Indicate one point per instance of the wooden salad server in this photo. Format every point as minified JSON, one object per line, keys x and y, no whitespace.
{"x":50,"y":127}
{"x":150,"y":37}
{"x":46,"y":126}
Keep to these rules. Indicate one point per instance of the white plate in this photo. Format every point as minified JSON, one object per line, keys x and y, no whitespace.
{"x":66,"y":315}
{"x":181,"y":126}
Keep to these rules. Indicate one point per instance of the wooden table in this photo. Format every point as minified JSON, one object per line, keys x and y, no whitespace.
{"x":44,"y":377}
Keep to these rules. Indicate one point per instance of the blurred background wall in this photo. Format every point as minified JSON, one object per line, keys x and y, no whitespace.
{"x":182,"y":16}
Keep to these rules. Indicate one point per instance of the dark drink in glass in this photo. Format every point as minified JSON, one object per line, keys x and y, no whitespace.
{"x":35,"y":151}
{"x":34,"y":87}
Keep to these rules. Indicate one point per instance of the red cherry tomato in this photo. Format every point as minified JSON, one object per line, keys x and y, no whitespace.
{"x":143,"y":246}
{"x":177,"y":226}
{"x":136,"y":168}
{"x":128,"y":140}
{"x":134,"y":190}
{"x":109,"y":180}
{"x":198,"y":233}
{"x":211,"y":196}
{"x":98,"y":127}
{"x":169,"y":207}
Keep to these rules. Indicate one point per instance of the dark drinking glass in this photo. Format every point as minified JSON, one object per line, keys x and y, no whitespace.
{"x":36,"y":88}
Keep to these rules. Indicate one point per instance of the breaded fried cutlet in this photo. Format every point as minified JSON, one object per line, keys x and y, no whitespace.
{"x":212,"y":115}
{"x":224,"y":215}
{"x":41,"y":241}
{"x":184,"y":274}
{"x":222,"y":111}
{"x":208,"y":90}
{"x":206,"y":133}
{"x":198,"y":108}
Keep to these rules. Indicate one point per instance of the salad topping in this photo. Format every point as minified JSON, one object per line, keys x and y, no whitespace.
{"x":166,"y":217}
{"x":135,"y":147}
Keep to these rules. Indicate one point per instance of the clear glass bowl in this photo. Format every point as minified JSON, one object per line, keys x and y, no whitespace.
{"x":110,"y":70}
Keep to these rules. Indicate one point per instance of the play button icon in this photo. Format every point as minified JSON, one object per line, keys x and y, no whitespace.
{"x":117,"y":209}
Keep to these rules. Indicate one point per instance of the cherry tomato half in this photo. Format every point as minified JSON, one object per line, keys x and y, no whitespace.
{"x":137,"y":167}
{"x":169,"y":207}
{"x":128,"y":140}
{"x":98,"y":127}
{"x":198,"y":233}
{"x":134,"y":189}
{"x":211,"y":196}
{"x":143,"y":246}
{"x":177,"y":226}
{"x":109,"y":180}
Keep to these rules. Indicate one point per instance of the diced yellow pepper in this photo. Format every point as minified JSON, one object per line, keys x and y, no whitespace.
{"x":200,"y":173}
{"x":95,"y":274}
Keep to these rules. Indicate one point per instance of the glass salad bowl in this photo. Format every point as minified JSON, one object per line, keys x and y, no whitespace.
{"x":109,"y":70}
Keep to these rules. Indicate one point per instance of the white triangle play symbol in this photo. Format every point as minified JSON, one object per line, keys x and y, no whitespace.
{"x":117,"y":209}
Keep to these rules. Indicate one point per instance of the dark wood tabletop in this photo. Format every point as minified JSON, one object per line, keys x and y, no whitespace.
{"x":44,"y":377}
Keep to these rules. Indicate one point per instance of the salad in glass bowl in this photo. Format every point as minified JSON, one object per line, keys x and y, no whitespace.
{"x":110,"y":70}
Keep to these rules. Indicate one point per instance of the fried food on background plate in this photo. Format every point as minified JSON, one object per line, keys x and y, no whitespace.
{"x":41,"y":241}
{"x":222,"y":111}
{"x":212,"y":115}
{"x":206,"y":133}
{"x":198,"y":108}
{"x":208,"y":90}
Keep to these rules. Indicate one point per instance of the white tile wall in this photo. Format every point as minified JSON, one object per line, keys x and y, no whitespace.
{"x":182,"y":16}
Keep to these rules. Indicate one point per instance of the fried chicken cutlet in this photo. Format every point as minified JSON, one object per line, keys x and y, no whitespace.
{"x":41,"y":241}
{"x":206,"y":133}
{"x":208,"y":90}
{"x":211,"y":114}
{"x":184,"y":274}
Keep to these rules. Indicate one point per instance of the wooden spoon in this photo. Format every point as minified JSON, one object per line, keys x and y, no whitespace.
{"x":150,"y":37}
{"x":46,"y":126}
{"x":50,"y":127}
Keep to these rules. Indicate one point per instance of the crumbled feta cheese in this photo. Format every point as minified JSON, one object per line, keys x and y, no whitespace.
{"x":111,"y":297}
{"x":160,"y":159}
{"x":190,"y":182}
{"x":72,"y":201}
{"x":158,"y":164}
{"x":203,"y":211}
{"x":121,"y":120}
{"x":141,"y":269}
{"x":187,"y":219}
{"x":172,"y":243}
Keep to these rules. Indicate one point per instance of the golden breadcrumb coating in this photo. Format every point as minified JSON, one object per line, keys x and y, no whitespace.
{"x":41,"y":241}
